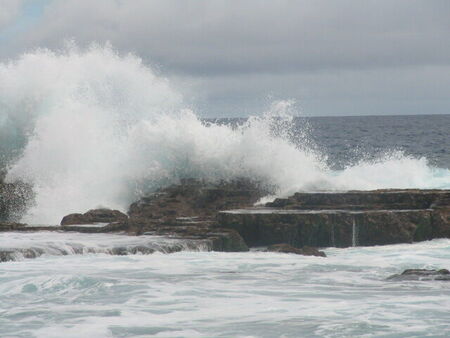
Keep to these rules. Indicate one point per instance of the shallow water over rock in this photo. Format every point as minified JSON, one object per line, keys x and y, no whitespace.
{"x":22,"y":245}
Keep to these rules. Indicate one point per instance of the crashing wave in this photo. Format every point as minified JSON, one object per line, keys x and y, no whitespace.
{"x":94,"y":128}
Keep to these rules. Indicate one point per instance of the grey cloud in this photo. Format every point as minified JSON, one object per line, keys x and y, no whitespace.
{"x":9,"y":9}
{"x":344,"y":92}
{"x":214,"y":37}
{"x":235,"y":55}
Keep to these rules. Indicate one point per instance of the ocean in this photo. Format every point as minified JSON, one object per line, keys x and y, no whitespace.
{"x":214,"y":294}
{"x":349,"y":140}
{"x":91,"y":129}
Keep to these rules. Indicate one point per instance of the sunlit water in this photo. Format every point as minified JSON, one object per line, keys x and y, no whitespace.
{"x":211,"y":294}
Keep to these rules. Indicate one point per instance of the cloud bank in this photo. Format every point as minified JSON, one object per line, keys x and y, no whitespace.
{"x":230,"y":58}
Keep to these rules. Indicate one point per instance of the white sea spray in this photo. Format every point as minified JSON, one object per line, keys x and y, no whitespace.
{"x":101,"y":129}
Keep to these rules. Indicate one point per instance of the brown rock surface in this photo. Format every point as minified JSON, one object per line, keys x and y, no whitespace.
{"x":305,"y":251}
{"x":94,"y":216}
{"x":185,"y":211}
{"x":194,"y":199}
{"x":223,"y":215}
{"x":345,"y":219}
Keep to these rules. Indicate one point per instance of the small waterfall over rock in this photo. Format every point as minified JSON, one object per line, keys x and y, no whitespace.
{"x":333,"y":240}
{"x":354,"y":233}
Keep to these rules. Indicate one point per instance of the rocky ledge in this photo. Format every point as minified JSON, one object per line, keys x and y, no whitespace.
{"x":224,"y":216}
{"x":344,"y":219}
{"x":186,"y":211}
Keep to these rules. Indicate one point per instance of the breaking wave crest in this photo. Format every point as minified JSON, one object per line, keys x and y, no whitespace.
{"x":94,"y":128}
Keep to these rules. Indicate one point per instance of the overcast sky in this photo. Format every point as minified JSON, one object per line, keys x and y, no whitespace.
{"x":232,"y":58}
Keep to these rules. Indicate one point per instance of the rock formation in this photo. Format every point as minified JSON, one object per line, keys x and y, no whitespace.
{"x":95,"y":216}
{"x":344,"y":219}
{"x":189,"y":211}
{"x":222,"y":215}
{"x":422,"y":275}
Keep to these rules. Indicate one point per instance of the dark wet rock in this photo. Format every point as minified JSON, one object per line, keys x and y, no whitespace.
{"x":327,"y":228}
{"x":196,"y":210}
{"x":344,"y":219}
{"x":94,"y":216}
{"x":422,"y":275}
{"x":195,"y":199}
{"x":223,"y":217}
{"x":188,"y":210}
{"x":75,"y":218}
{"x":219,"y":239}
{"x":11,"y":226}
{"x":305,"y":251}
{"x":14,"y":199}
{"x":384,"y":199}
{"x":181,"y":212}
{"x":441,"y":219}
{"x":227,"y":240}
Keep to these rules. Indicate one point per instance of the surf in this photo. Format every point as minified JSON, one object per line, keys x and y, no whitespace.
{"x":89,"y":128}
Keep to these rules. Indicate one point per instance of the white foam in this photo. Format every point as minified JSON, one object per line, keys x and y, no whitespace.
{"x":252,"y":294}
{"x":102,"y":129}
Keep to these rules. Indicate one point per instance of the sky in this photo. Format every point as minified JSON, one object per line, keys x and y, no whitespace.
{"x":232,"y":58}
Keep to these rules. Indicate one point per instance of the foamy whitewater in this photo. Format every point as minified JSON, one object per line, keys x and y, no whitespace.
{"x":212,"y":294}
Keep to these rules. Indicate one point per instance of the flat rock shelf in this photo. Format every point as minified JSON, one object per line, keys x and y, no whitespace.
{"x":359,"y":218}
{"x":223,"y":217}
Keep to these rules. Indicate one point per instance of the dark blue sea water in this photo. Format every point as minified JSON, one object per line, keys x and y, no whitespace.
{"x":347,"y":139}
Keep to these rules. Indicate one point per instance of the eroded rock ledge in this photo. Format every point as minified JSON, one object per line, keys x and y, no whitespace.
{"x":223,"y":215}
{"x":345,"y":219}
{"x":186,"y":211}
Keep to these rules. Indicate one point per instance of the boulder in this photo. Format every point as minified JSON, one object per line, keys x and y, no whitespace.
{"x":94,"y":216}
{"x":305,"y":251}
{"x":422,"y":275}
{"x":192,"y":198}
